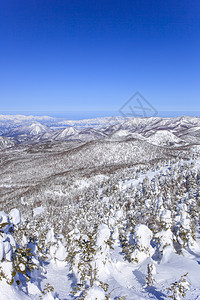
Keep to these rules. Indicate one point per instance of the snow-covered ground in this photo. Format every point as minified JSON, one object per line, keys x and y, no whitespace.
{"x":116,"y":277}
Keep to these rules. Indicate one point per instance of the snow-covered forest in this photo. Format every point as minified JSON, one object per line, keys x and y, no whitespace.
{"x":115,"y":216}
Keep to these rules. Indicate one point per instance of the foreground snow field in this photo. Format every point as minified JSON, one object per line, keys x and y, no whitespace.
{"x":109,"y":219}
{"x":107,"y":256}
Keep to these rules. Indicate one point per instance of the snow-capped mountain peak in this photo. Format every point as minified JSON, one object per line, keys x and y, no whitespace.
{"x":36,"y":128}
{"x":164,"y":137}
{"x":68,"y":131}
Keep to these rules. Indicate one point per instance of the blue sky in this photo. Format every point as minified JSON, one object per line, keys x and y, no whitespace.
{"x":75,"y":55}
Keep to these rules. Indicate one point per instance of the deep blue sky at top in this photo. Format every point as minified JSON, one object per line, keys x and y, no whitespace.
{"x":60,"y":55}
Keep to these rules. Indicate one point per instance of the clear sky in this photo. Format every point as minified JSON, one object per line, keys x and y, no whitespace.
{"x":61,"y":55}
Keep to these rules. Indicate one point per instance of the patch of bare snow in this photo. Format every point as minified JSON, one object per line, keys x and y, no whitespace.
{"x":38,"y":210}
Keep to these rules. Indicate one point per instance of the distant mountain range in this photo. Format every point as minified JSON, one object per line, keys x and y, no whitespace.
{"x":167,"y":132}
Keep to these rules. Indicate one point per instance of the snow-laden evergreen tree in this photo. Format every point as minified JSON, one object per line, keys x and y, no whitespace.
{"x":179,"y":288}
{"x":17,"y":262}
{"x":142,"y":247}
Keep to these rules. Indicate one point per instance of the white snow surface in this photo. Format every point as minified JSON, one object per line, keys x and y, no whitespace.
{"x":95,"y":292}
{"x":38,"y":210}
{"x":124,"y":278}
{"x":163,"y":137}
{"x":15,"y":216}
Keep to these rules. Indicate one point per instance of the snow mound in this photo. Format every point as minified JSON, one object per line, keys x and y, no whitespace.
{"x":142,"y":239}
{"x":102,"y":235}
{"x":14,"y":216}
{"x":95,"y":292}
{"x":38,"y":210}
{"x":60,"y":253}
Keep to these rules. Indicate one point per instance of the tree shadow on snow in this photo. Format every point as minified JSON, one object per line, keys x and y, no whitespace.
{"x":152,"y":290}
{"x":149,"y":289}
{"x":73,"y":280}
{"x":140,"y":277}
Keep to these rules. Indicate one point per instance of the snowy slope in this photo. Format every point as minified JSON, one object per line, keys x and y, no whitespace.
{"x":126,"y":134}
{"x":35,"y":129}
{"x":5,"y":142}
{"x":32,"y":129}
{"x":124,"y":278}
{"x":64,"y":133}
{"x":29,"y":132}
{"x":164,"y":138}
